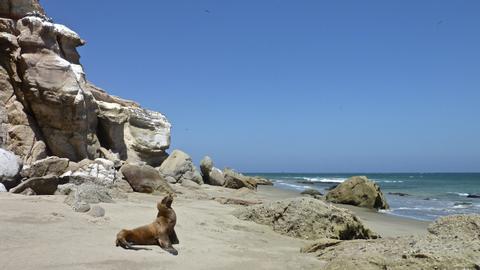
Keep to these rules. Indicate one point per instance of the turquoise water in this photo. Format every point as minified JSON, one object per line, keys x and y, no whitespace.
{"x":428,"y":195}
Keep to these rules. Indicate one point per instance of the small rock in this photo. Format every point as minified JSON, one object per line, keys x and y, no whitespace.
{"x":311,"y":192}
{"x":96,"y":211}
{"x":81,"y":207}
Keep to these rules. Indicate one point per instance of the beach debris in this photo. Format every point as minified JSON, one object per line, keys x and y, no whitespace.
{"x":307,"y":218}
{"x":358,"y":191}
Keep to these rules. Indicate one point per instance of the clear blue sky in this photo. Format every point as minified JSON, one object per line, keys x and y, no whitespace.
{"x":296,"y":86}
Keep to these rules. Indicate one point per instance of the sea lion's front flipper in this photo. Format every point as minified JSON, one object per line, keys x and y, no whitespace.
{"x":165,"y":244}
{"x":173,"y":238}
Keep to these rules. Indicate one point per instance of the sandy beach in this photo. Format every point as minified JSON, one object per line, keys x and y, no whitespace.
{"x":41,"y":232}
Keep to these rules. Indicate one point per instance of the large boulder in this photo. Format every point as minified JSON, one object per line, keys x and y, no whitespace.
{"x":10,"y":166}
{"x":260,"y":181}
{"x":211,"y":175}
{"x":145,"y":179}
{"x":44,"y":185}
{"x":178,"y":167}
{"x":206,"y":166}
{"x":216,"y":177}
{"x":358,"y":191}
{"x":237,"y":180}
{"x":307,"y":218}
{"x":48,"y":166}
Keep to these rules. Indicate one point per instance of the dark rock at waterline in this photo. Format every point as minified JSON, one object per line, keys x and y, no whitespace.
{"x":311,"y":192}
{"x":305,"y":182}
{"x":475,"y":196}
{"x":398,"y":194}
{"x":332,"y":187}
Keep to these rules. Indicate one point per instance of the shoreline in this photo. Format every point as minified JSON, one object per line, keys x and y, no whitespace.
{"x":379,"y":222}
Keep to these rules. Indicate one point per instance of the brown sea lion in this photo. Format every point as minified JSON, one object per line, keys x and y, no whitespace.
{"x":160,"y":232}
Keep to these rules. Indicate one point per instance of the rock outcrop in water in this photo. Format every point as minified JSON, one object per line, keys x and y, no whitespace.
{"x":358,"y":191}
{"x":47,"y":106}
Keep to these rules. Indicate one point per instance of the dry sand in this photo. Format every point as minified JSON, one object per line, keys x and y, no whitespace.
{"x":41,"y":232}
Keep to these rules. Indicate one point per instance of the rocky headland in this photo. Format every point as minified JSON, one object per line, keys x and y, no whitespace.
{"x":77,"y":164}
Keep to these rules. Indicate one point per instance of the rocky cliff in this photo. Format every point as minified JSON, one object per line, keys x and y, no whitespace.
{"x":49,"y":108}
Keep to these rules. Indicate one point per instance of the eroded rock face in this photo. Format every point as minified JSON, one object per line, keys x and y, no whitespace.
{"x":358,"y":191}
{"x":16,"y":9}
{"x":145,"y":179}
{"x":453,"y":243}
{"x":47,"y":107}
{"x":179,"y":167}
{"x":307,"y":218}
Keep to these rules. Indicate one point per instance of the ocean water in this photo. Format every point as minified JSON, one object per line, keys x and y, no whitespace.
{"x":427,"y":195}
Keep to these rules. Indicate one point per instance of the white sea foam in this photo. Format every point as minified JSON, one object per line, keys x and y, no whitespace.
{"x":390,"y":181}
{"x":459,"y":194}
{"x":322,"y":180}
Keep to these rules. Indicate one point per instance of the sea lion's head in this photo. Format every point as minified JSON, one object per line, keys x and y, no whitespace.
{"x":166,"y":202}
